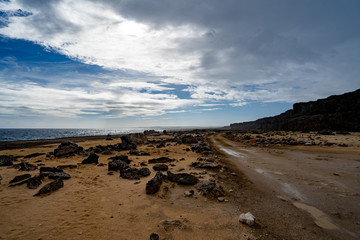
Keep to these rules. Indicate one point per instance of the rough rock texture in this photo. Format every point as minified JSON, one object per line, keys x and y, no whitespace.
{"x":136,"y":138}
{"x":34,"y":182}
{"x":208,"y":165}
{"x":116,"y":165}
{"x":61,"y":175}
{"x":6,"y":160}
{"x":247,"y":218}
{"x":92,"y":158}
{"x":20,"y":178}
{"x":66,"y":149}
{"x":339,"y":112}
{"x":25,"y":166}
{"x":182,"y":178}
{"x":50,"y":187}
{"x":154,"y":236}
{"x":123,"y":158}
{"x":160,"y":167}
{"x":138,"y":153}
{"x":160,"y":160}
{"x":210,"y":189}
{"x":153,"y":186}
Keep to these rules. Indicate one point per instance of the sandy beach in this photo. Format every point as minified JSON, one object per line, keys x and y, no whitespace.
{"x":96,"y":203}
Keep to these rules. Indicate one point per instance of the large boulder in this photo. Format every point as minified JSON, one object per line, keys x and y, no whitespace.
{"x":50,"y":187}
{"x":66,"y":149}
{"x":153,"y":186}
{"x":135,"y":138}
{"x":92,"y":158}
{"x":182,"y":178}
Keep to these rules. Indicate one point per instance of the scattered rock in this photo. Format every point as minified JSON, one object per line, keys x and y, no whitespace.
{"x":25,"y":166}
{"x":61,"y":175}
{"x":144,"y":172}
{"x":188,"y":139}
{"x":135,"y":138}
{"x":171,"y":224}
{"x":209,"y":165}
{"x":92,"y":158}
{"x":116,"y":165}
{"x":34,"y":182}
{"x":20,"y":178}
{"x":182,"y":178}
{"x":221,"y":199}
{"x":210,"y":189}
{"x":66,"y":149}
{"x":247,"y":218}
{"x":34,"y":155}
{"x":154,"y":236}
{"x":160,"y":167}
{"x":153,"y":186}
{"x":189,"y":193}
{"x":50,"y":187}
{"x":161,"y":160}
{"x":130,"y":173}
{"x":123,"y":158}
{"x":138,"y":153}
{"x":67,"y":166}
{"x":50,"y":169}
{"x":6,"y":160}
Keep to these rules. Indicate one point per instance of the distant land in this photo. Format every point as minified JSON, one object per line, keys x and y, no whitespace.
{"x":337,"y":113}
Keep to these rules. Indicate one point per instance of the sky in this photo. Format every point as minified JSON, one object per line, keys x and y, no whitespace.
{"x":140,"y":63}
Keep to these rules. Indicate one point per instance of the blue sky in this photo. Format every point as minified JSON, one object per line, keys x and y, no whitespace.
{"x":113,"y":64}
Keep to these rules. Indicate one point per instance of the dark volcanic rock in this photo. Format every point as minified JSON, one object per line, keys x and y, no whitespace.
{"x":122,"y":146}
{"x":138,"y":153}
{"x":123,"y":158}
{"x":20,"y":178}
{"x":144,"y":172}
{"x":160,"y":160}
{"x":182,"y":178}
{"x":67,"y":166}
{"x":50,"y":187}
{"x":34,"y":182}
{"x":130,"y":173}
{"x":154,"y":236}
{"x":92,"y":158}
{"x":61,"y":175}
{"x":116,"y":165}
{"x":50,"y":169}
{"x":6,"y":160}
{"x":135,"y":138}
{"x":25,"y":166}
{"x":34,"y":155}
{"x":66,"y":149}
{"x":209,"y":165}
{"x":188,"y":139}
{"x":160,"y":167}
{"x":153,"y":186}
{"x":210,"y":189}
{"x":339,"y":112}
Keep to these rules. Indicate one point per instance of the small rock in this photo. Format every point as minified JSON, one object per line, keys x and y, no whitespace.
{"x":154,"y":236}
{"x":160,"y":167}
{"x":221,"y":199}
{"x":80,"y":233}
{"x":50,"y":187}
{"x":233,"y":174}
{"x":189,"y":193}
{"x":154,"y":184}
{"x":92,"y":158}
{"x":247,"y":218}
{"x":336,"y":174}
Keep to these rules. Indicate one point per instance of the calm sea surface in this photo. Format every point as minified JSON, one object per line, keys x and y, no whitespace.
{"x":16,"y":134}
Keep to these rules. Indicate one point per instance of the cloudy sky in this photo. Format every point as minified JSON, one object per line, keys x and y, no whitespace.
{"x":126,"y":63}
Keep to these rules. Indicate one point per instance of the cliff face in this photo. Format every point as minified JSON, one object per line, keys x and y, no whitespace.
{"x":338,"y":113}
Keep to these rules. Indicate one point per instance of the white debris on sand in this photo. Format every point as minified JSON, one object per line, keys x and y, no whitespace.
{"x":247,"y":218}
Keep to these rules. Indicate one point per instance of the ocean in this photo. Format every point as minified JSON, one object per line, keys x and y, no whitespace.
{"x":17,"y":134}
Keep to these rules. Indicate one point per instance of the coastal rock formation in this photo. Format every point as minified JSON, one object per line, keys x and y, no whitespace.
{"x":136,"y":138}
{"x":6,"y":160}
{"x":182,"y":178}
{"x":66,"y":149}
{"x":153,"y":186}
{"x":92,"y":158}
{"x":51,"y":187}
{"x":338,"y":113}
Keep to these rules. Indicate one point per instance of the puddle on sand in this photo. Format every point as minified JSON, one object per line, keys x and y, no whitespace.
{"x":321,"y":219}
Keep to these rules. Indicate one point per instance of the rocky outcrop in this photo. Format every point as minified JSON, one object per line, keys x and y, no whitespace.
{"x":67,"y":149}
{"x":182,"y":178}
{"x":153,"y":186}
{"x":6,"y":160}
{"x":50,"y":187}
{"x":338,"y":113}
{"x":92,"y":158}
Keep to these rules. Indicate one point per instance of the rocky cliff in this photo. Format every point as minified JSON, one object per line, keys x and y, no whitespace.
{"x":338,"y":113}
